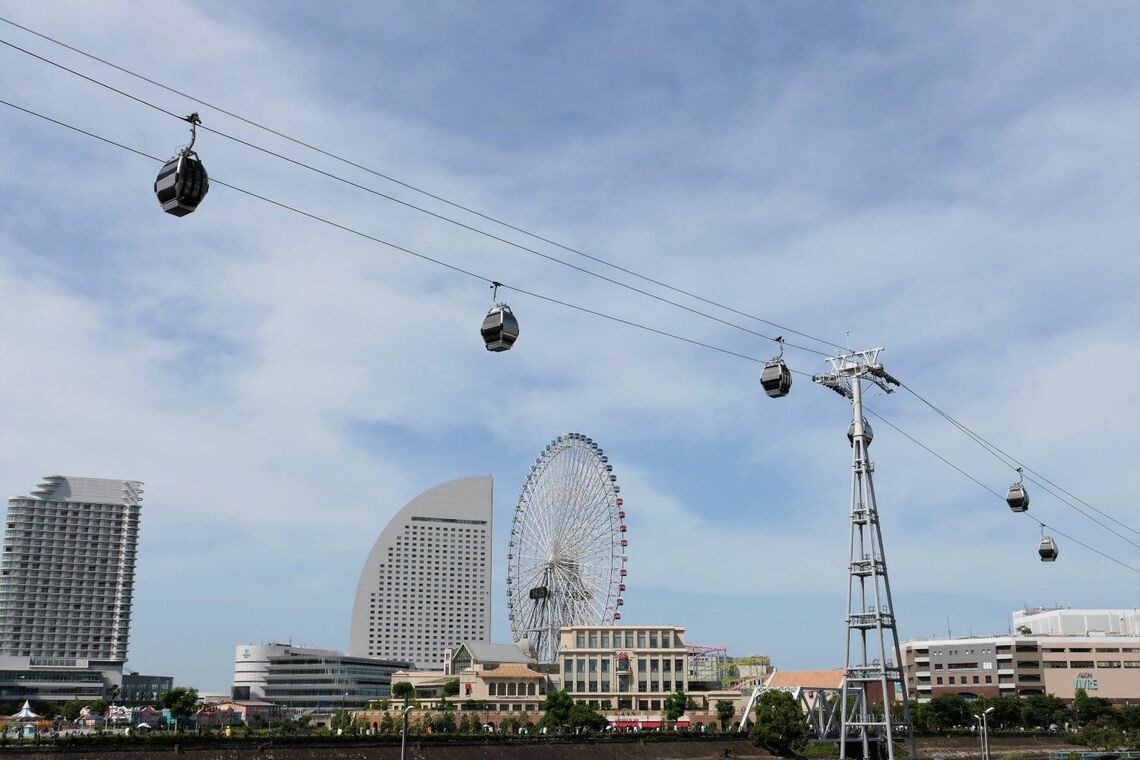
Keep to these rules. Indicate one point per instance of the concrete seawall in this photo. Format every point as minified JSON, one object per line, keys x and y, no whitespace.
{"x":626,"y":750}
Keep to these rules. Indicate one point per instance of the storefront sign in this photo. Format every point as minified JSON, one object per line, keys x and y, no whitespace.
{"x":1084,"y":681}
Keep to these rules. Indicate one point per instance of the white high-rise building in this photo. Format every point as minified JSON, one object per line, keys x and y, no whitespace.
{"x":426,"y":584}
{"x":67,"y":578}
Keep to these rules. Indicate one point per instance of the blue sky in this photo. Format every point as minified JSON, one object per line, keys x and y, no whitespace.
{"x":956,"y":182}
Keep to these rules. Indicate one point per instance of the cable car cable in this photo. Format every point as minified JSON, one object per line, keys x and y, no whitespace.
{"x":995,"y":451}
{"x":523,"y":291}
{"x":1035,"y":477}
{"x":395,"y":246}
{"x":407,"y":185}
{"x":946,"y":461}
{"x":442,"y":217}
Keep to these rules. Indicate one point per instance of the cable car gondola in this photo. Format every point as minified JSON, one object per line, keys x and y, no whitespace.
{"x":1048,"y":549}
{"x":182,"y":182}
{"x":1017,"y":497}
{"x":500,"y":328}
{"x":868,"y":433}
{"x":776,"y":378}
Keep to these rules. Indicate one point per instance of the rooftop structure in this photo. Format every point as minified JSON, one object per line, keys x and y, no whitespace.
{"x":1065,"y":622}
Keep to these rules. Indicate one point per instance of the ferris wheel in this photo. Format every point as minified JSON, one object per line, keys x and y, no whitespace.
{"x":566,"y":559}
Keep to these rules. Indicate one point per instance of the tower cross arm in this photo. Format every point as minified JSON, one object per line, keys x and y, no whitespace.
{"x":834,"y":382}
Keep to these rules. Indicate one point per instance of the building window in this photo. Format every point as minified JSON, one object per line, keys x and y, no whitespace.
{"x":938,"y":680}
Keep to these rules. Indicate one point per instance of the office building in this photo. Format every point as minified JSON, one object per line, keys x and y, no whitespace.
{"x":1054,"y":652}
{"x":628,"y":667}
{"x":426,"y":584}
{"x":66,"y":587}
{"x":140,"y":689}
{"x":305,"y":678}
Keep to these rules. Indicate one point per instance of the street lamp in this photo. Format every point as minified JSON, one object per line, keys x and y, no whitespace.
{"x":404,"y":734}
{"x":986,"y":734}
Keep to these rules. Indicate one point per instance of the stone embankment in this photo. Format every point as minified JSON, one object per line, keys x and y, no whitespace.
{"x":946,"y":747}
{"x":708,"y":749}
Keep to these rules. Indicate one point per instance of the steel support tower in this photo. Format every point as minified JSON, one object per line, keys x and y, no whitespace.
{"x":873,"y":656}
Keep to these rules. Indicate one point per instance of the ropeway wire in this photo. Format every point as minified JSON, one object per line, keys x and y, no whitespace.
{"x":538,"y":296}
{"x":395,"y":246}
{"x":418,"y":190}
{"x":1035,"y":477}
{"x":946,"y":461}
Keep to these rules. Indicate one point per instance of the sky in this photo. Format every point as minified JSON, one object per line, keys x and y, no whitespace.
{"x":955,"y":182}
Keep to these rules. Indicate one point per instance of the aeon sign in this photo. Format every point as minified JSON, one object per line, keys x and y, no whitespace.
{"x":1084,"y":681}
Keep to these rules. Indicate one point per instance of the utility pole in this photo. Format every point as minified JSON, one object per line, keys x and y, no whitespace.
{"x":870,"y":658}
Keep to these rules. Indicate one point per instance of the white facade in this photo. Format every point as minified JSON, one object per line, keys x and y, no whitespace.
{"x":68,"y":570}
{"x":426,"y":584}
{"x":1064,"y":622}
{"x":302,"y":677}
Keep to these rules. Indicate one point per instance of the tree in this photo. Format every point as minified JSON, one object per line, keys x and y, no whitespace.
{"x":1088,"y":709}
{"x":180,"y":700}
{"x":780,"y":725}
{"x":444,"y":723}
{"x":1006,"y":714}
{"x":403,"y":690}
{"x":949,"y":711}
{"x":387,"y":724}
{"x":725,"y":711}
{"x":920,"y":715}
{"x":70,"y":710}
{"x":341,"y":720}
{"x":1128,"y":717}
{"x":1102,"y":734}
{"x":675,"y":705}
{"x":607,"y":705}
{"x":1043,"y":710}
{"x":584,"y":716}
{"x":557,"y":707}
{"x":97,"y":707}
{"x":1024,"y":630}
{"x":451,"y":688}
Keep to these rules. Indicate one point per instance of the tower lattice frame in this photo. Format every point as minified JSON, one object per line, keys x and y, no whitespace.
{"x":873,"y":656}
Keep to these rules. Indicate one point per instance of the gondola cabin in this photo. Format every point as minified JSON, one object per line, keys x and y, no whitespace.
{"x":868,"y":433}
{"x":1017,"y":498}
{"x":776,"y":379}
{"x":181,"y":184}
{"x":1048,"y":549}
{"x":500,"y":328}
